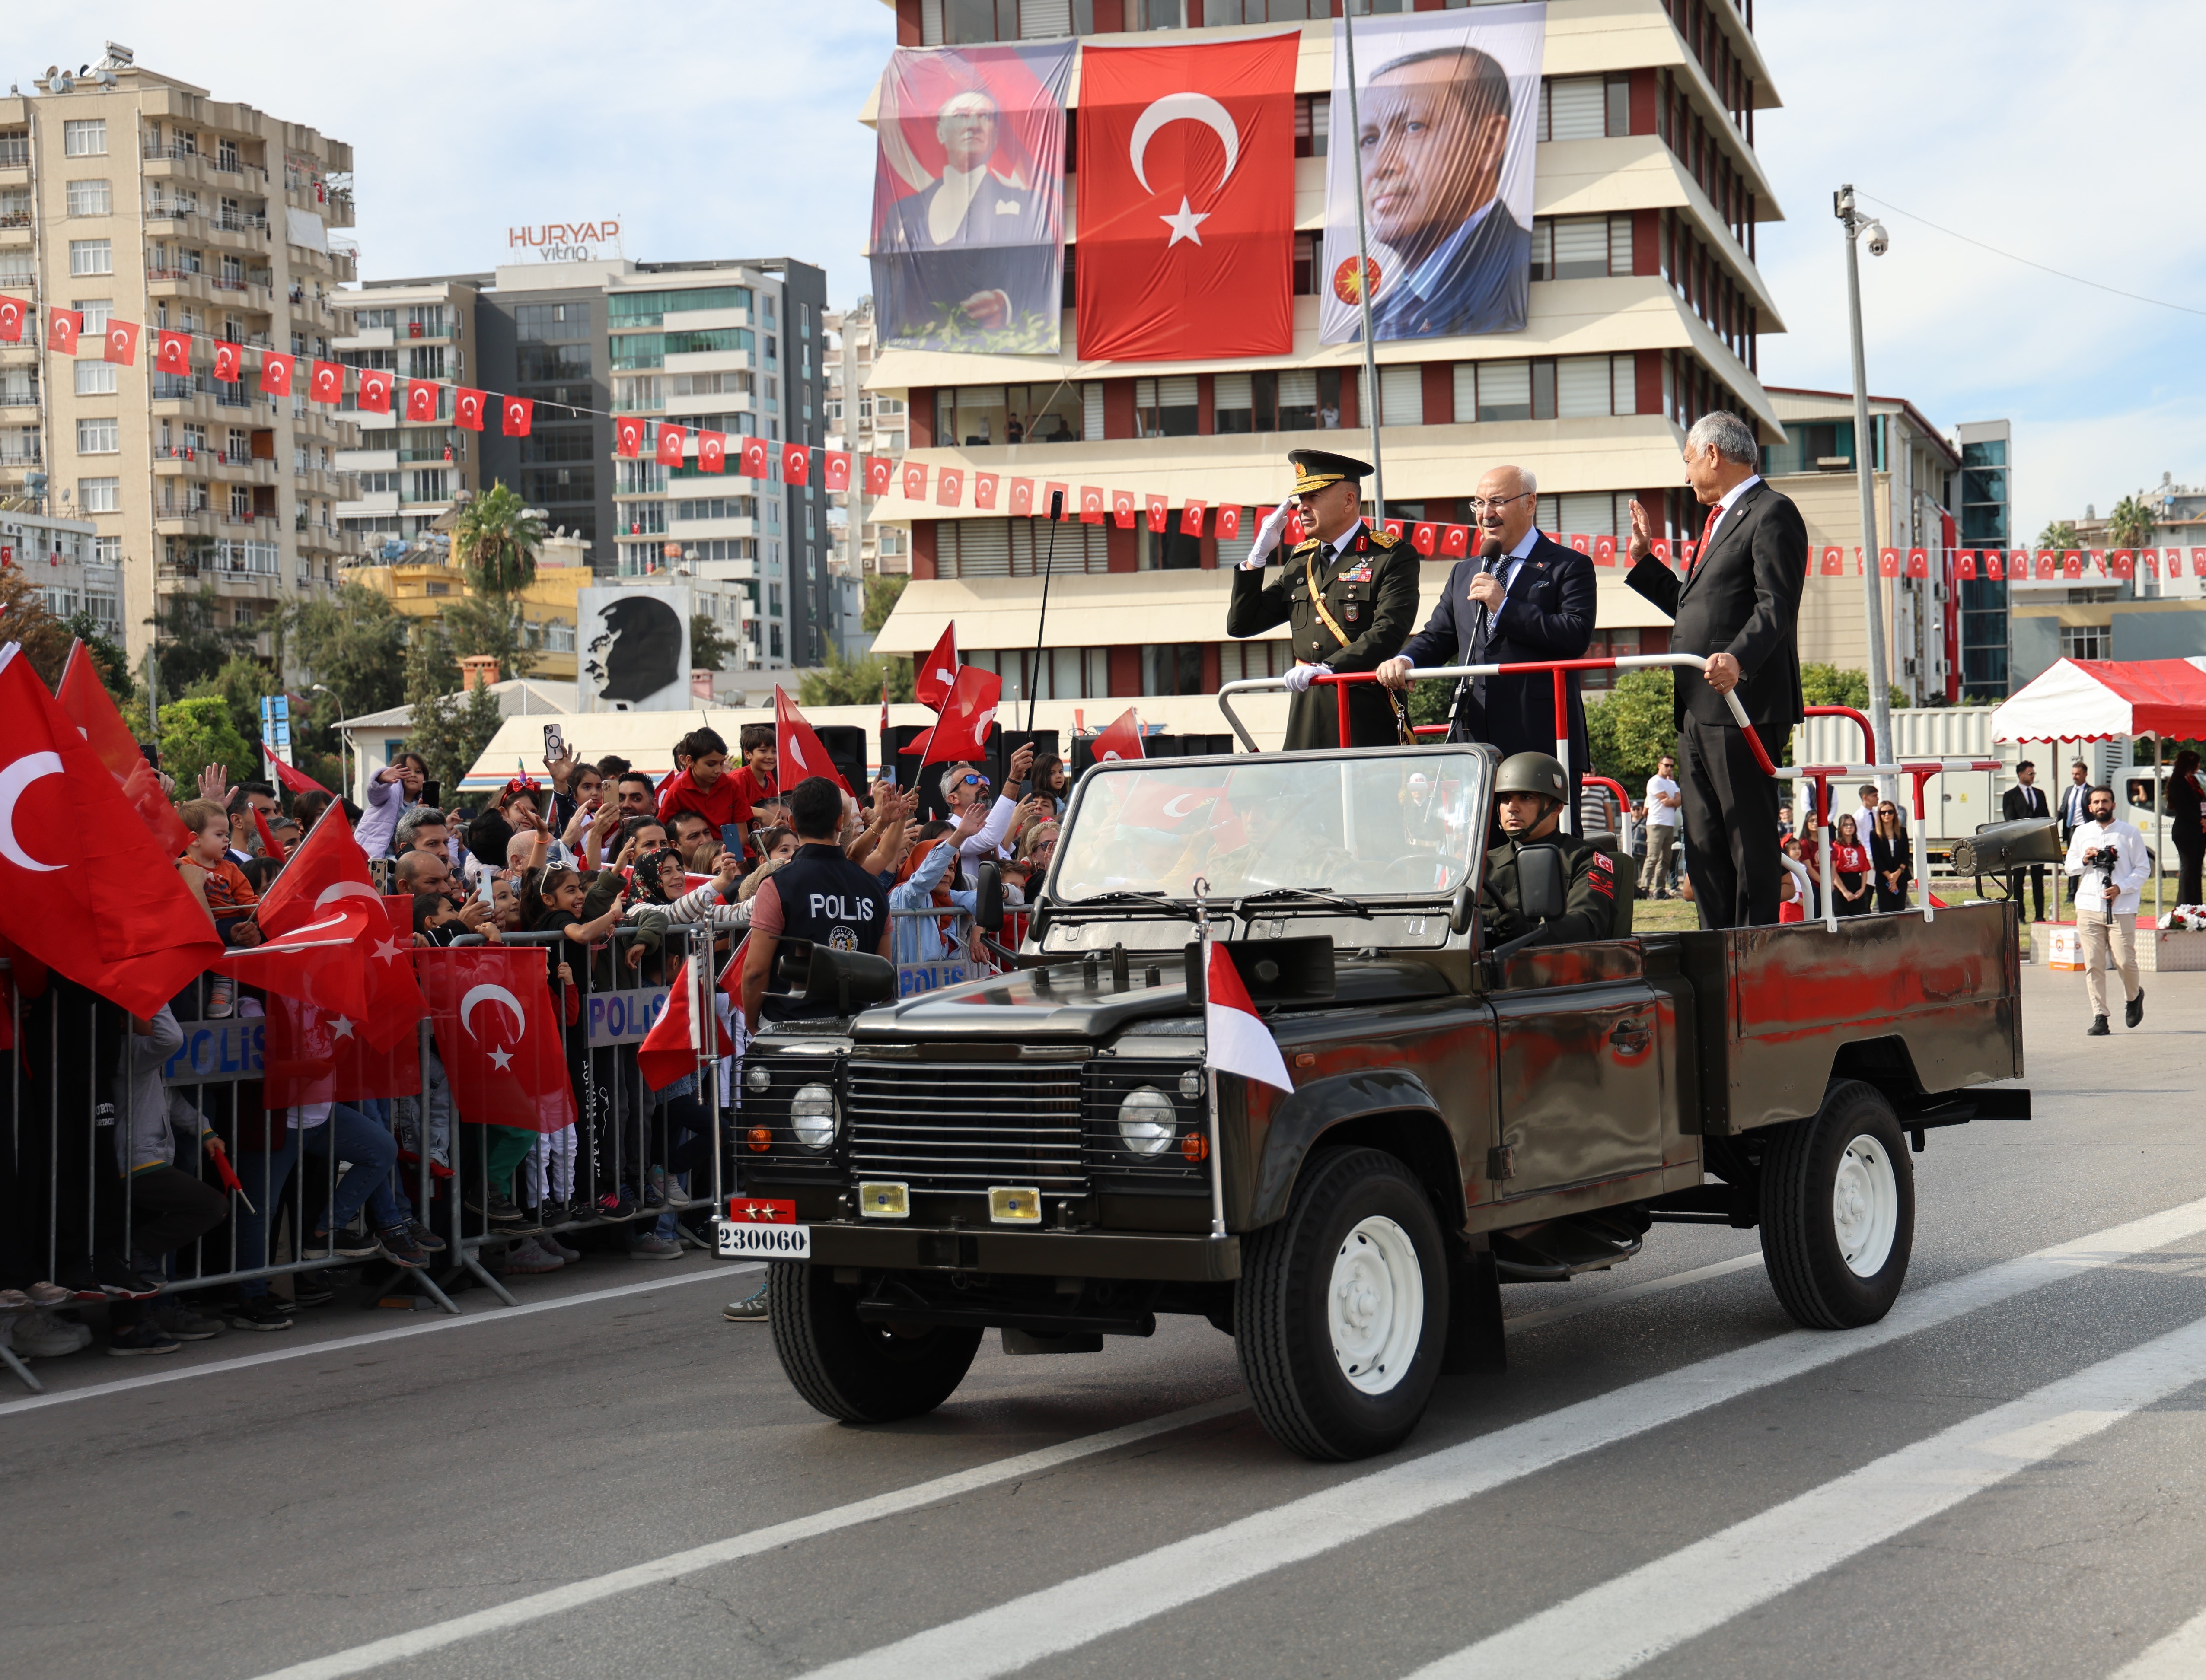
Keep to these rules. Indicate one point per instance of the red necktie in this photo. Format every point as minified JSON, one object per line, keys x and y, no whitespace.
{"x":1707,"y":530}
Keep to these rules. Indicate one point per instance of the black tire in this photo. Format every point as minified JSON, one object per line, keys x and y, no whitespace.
{"x":856,"y":1371}
{"x":1802,"y":1241}
{"x":1301,"y":1392}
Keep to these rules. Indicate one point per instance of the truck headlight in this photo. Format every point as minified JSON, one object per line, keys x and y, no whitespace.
{"x":812,"y":1115}
{"x":1148,"y":1121}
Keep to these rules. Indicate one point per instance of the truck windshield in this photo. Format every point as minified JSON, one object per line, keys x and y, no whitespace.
{"x":1370,"y":826}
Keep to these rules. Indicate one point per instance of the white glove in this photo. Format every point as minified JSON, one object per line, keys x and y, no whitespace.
{"x":1267,"y":536}
{"x":1301,"y":676}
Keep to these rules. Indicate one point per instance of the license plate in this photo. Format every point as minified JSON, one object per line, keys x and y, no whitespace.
{"x":743,"y":1240}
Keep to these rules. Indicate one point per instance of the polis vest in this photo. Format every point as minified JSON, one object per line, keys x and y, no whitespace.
{"x":831,"y":901}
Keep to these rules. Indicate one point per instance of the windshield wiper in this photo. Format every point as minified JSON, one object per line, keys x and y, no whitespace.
{"x":1153,"y":901}
{"x":1307,"y":895}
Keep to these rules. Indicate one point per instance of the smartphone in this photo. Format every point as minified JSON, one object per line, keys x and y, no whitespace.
{"x":429,"y":792}
{"x":487,"y":889}
{"x":555,"y":744}
{"x":731,"y":838}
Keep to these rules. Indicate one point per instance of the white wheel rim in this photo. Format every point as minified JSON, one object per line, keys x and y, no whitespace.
{"x":1375,"y":1305}
{"x":1865,"y":1205}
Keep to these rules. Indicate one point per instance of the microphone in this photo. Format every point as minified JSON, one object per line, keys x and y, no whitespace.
{"x":1057,"y":504}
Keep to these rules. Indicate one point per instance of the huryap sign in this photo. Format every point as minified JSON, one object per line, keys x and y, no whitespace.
{"x":567,"y":241}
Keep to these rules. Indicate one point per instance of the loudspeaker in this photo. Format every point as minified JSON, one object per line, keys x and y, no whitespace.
{"x":846,"y":746}
{"x":1999,"y":846}
{"x":1275,"y":971}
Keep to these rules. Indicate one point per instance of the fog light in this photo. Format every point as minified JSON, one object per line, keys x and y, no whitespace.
{"x":761,"y":1140}
{"x":1195,"y":1147}
{"x":884,"y":1201}
{"x":1148,"y":1121}
{"x":757,"y":1079}
{"x":1191,"y":1083}
{"x":812,"y":1115}
{"x":1014,"y":1205}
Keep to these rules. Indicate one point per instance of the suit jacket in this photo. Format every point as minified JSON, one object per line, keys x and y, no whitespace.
{"x":1371,"y":591}
{"x":2018,"y":802}
{"x":1742,"y":598}
{"x":2077,"y":797}
{"x":1548,"y":615}
{"x":1485,"y":288}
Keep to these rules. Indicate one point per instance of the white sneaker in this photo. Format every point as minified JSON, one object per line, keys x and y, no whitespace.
{"x":43,"y":1335}
{"x":528,"y":1258}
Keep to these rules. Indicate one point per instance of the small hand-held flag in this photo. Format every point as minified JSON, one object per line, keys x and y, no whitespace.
{"x":1234,"y":1040}
{"x":932,"y":682}
{"x":797,"y":748}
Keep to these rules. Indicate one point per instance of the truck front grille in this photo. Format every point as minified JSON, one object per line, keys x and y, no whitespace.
{"x":965,"y":1126}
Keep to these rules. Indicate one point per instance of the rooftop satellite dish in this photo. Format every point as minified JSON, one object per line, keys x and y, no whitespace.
{"x":52,"y":70}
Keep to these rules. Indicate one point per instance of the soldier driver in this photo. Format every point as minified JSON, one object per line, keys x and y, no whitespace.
{"x":1350,"y":592}
{"x":1528,"y":792}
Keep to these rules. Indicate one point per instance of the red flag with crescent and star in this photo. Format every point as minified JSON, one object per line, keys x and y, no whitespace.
{"x":421,"y":400}
{"x":328,"y":870}
{"x":758,"y":459}
{"x":516,"y":414}
{"x":668,"y":1049}
{"x":881,"y":474}
{"x":498,"y":1030}
{"x":93,"y":710}
{"x":796,"y":463}
{"x":467,"y":409}
{"x":932,"y":682}
{"x":969,"y":713}
{"x":229,"y":363}
{"x":1187,"y":200}
{"x":712,"y":451}
{"x":627,"y":437}
{"x":172,"y":353}
{"x":797,"y":749}
{"x":11,"y":320}
{"x":669,"y":450}
{"x":62,"y":327}
{"x":375,"y":390}
{"x":327,"y":384}
{"x":275,"y":372}
{"x":836,"y":464}
{"x":122,"y":342}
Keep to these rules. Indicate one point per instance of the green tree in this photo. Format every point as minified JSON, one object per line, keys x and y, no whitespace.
{"x":449,"y":731}
{"x":2060,"y":536}
{"x":44,"y":638}
{"x":193,"y":643}
{"x":2130,"y":525}
{"x":1631,"y":728}
{"x":883,"y":591}
{"x":490,"y":624}
{"x":197,"y":732}
{"x":844,"y":682}
{"x":240,"y":685}
{"x":1826,"y":685}
{"x":495,"y":540}
{"x":708,"y":649}
{"x":354,"y":643}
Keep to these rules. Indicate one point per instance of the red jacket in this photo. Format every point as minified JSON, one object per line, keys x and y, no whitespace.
{"x":720,"y":804}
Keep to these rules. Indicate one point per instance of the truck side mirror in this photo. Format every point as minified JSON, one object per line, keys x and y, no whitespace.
{"x":1539,"y":882}
{"x":988,"y":896}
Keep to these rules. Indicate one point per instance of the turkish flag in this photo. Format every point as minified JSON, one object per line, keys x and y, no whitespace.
{"x":1888,"y":562}
{"x":275,"y":372}
{"x":836,"y":465}
{"x":122,"y":343}
{"x":2072,"y":563}
{"x":85,"y":698}
{"x":467,"y":409}
{"x":1229,"y":522}
{"x":1425,"y":537}
{"x":2151,"y":558}
{"x":1965,"y":565}
{"x":932,"y":682}
{"x":109,"y":910}
{"x":668,"y":452}
{"x":293,"y":781}
{"x":2045,"y":563}
{"x":797,"y":748}
{"x":375,"y":390}
{"x":497,"y":1031}
{"x":1995,"y":564}
{"x":314,"y":1056}
{"x":1295,"y":532}
{"x":984,"y":490}
{"x":1122,"y":740}
{"x":670,"y":1049}
{"x":1580,"y":542}
{"x":328,"y":872}
{"x":516,"y":414}
{"x":327,"y":385}
{"x":2099,"y":561}
{"x":1455,"y":541}
{"x":62,"y":327}
{"x":1122,"y":508}
{"x":1190,"y":518}
{"x":1187,"y":200}
{"x":969,"y":713}
{"x":758,"y":459}
{"x":881,"y":474}
{"x":627,"y":437}
{"x":1918,"y":563}
{"x":796,"y":463}
{"x":949,"y":487}
{"x":229,"y":363}
{"x":1833,"y":560}
{"x":421,"y":400}
{"x":172,"y":353}
{"x":712,"y":451}
{"x":1604,"y":552}
{"x":914,"y":481}
{"x":1158,"y":510}
{"x":2122,"y":562}
{"x":1056,"y":498}
{"x":318,"y":961}
{"x":11,"y":320}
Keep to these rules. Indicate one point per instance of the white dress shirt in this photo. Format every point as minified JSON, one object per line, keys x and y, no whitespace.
{"x":1723,"y":507}
{"x":2095,"y":885}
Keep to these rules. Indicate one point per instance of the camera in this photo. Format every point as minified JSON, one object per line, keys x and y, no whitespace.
{"x":1879,"y":240}
{"x":2101,"y":857}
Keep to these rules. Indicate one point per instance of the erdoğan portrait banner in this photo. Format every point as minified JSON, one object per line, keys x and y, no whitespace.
{"x":1187,"y":200}
{"x":968,"y":197}
{"x":1449,"y":107}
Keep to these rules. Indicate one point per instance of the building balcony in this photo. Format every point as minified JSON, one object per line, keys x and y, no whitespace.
{"x":173,"y":461}
{"x":379,"y":504}
{"x":175,"y":521}
{"x":367,"y":338}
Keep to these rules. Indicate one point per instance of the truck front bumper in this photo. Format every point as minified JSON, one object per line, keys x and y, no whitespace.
{"x":1199,"y":1260}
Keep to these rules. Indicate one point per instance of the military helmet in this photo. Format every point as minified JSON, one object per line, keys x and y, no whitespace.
{"x":1532,"y":773}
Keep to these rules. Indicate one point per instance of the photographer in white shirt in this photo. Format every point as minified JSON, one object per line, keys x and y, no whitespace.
{"x":2109,"y":860}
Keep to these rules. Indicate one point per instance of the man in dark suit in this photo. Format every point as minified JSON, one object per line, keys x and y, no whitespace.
{"x":1739,"y":606}
{"x":1526,"y":598}
{"x":2024,"y":799}
{"x":2075,"y":808}
{"x":1435,"y":134}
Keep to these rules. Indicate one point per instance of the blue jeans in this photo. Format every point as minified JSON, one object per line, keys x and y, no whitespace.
{"x":265,"y":1175}
{"x":372,"y":1153}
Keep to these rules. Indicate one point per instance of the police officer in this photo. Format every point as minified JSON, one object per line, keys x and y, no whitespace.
{"x":1349,"y":591}
{"x":1528,"y":792}
{"x":818,"y":895}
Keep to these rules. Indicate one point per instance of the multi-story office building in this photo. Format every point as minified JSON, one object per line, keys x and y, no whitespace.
{"x":1987,"y":521}
{"x":133,"y":196}
{"x":866,"y":423}
{"x":1646,"y":308}
{"x":407,"y":477}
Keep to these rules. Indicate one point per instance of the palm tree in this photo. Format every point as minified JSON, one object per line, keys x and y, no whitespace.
{"x":2130,"y":525}
{"x":495,"y":540}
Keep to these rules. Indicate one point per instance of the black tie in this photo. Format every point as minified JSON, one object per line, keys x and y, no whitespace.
{"x":1482,"y":627}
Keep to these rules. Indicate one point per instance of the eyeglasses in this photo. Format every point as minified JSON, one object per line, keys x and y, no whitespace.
{"x":1478,"y":504}
{"x":972,"y":781}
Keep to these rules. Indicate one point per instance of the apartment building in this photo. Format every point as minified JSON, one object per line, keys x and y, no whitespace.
{"x":61,"y":557}
{"x":867,"y":423}
{"x":131,"y":195}
{"x":2157,"y":612}
{"x":1645,"y":311}
{"x":408,"y":478}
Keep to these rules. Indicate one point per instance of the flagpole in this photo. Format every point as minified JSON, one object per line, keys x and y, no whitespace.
{"x":1209,"y":1070}
{"x":1048,"y":564}
{"x":1363,"y":275}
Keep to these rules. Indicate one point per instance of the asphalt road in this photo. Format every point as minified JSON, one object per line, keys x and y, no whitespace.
{"x":2005,"y":1477}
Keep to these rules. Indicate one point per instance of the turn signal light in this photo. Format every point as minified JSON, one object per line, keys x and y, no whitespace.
{"x":761,"y":1140}
{"x":1195,"y":1147}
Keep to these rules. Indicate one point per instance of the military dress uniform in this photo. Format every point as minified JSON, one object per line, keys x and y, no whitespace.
{"x":1350,"y":604}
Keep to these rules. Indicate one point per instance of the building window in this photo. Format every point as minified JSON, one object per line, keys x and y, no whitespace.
{"x":89,"y":198}
{"x":1584,"y":107}
{"x":100,"y":495}
{"x":96,"y":379}
{"x":1581,"y":247}
{"x":85,"y":139}
{"x":92,"y":256}
{"x":2087,"y":641}
{"x":98,"y":437}
{"x":107,"y":551}
{"x":1164,"y":408}
{"x":1017,"y":548}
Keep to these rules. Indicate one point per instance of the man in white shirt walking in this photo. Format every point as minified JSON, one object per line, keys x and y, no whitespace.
{"x":1658,"y":876}
{"x":2107,"y":861}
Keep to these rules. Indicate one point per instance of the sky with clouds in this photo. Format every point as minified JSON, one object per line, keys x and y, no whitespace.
{"x":727,"y":129}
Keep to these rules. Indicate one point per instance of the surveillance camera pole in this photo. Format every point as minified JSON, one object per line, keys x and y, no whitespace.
{"x":1880,"y":694}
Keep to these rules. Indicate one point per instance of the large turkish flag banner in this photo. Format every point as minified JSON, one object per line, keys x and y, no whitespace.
{"x":497,"y":1031}
{"x":1187,"y":200}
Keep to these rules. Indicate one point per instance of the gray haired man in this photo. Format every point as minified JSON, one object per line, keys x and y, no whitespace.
{"x":965,"y":784}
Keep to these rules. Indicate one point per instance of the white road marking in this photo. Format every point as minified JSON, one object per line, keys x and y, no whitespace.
{"x":316,"y":1349}
{"x":399,"y":1648}
{"x":1570,"y":1309}
{"x":2180,"y":1656}
{"x":1614,"y":1627}
{"x":1038,"y":1625}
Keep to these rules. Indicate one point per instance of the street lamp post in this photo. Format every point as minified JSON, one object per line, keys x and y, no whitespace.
{"x":1879,"y":698}
{"x":345,"y":747}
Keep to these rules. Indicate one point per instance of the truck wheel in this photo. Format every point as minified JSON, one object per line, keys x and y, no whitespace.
{"x":857,"y":1372}
{"x":1837,"y":1211}
{"x":1342,"y":1312}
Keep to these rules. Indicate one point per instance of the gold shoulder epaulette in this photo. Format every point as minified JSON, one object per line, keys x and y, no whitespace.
{"x":1383,"y":538}
{"x":1305,"y":545}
